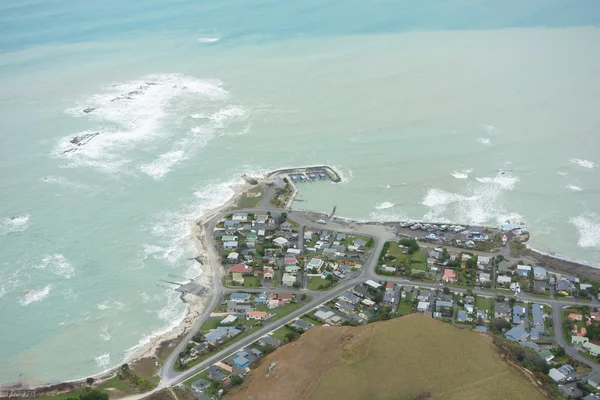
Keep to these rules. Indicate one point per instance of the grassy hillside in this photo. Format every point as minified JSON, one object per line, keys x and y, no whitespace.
{"x":391,"y":360}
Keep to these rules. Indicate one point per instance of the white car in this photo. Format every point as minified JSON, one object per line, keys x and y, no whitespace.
{"x":321,"y":221}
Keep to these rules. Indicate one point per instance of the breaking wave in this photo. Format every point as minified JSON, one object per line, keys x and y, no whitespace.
{"x":485,"y":141}
{"x":34,"y":296}
{"x":150,"y":109}
{"x":582,"y":163}
{"x":208,"y":39}
{"x":588,"y":230}
{"x":103,"y":361}
{"x":14,"y":224}
{"x":58,"y":265}
{"x":574,"y":188}
{"x":384,"y":205}
{"x":464,"y":174}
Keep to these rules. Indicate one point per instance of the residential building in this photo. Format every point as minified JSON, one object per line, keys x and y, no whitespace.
{"x":359,"y":243}
{"x":231,"y":225}
{"x":288,"y":280}
{"x":269,"y":341}
{"x":200,"y":385}
{"x":575,"y":317}
{"x":290,"y":261}
{"x":517,"y":334}
{"x":462,"y":316}
{"x":469,"y":299}
{"x":365,"y":314}
{"x":435,"y":254}
{"x":501,"y":310}
{"x":315,"y":263}
{"x":556,"y":375}
{"x":546,"y":355}
{"x":423,"y":306}
{"x":388,"y":298}
{"x":335,"y":320}
{"x":349,"y":297}
{"x":232,"y":257}
{"x":241,"y":308}
{"x":302,"y":325}
{"x":449,"y":276}
{"x":360,"y":291}
{"x":504,"y":268}
{"x":389,"y":287}
{"x":592,"y":348}
{"x":539,"y":287}
{"x":230,"y":319}
{"x":285,"y":297}
{"x":268,"y":272}
{"x":368,"y":302}
{"x":579,"y":339}
{"x":280,"y":241}
{"x":216,"y":336}
{"x":216,"y":373}
{"x":439,"y":304}
{"x":372,"y":283}
{"x":538,"y":317}
{"x":238,"y":297}
{"x":424,"y":295}
{"x":523,"y":270}
{"x":292,"y":269}
{"x":238,"y":271}
{"x":594,"y":381}
{"x":483,"y":260}
{"x":240,"y":217}
{"x":539,"y":273}
{"x":503,"y":279}
{"x":324,"y":315}
{"x":345,"y":307}
{"x":258,"y":315}
{"x":483,"y":277}
{"x":230,"y":245}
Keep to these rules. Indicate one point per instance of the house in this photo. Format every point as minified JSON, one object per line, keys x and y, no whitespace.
{"x":345,"y":307}
{"x":594,"y":381}
{"x":368,"y":302}
{"x":443,"y":304}
{"x":358,"y":319}
{"x":335,"y":320}
{"x":200,"y":385}
{"x":294,"y":252}
{"x":523,"y":270}
{"x":261,"y":299}
{"x":517,"y":334}
{"x":564,"y":285}
{"x":268,"y":272}
{"x":216,"y":373}
{"x":518,"y":310}
{"x":423,"y":306}
{"x":470,"y":308}
{"x":575,"y":317}
{"x":424,"y":295}
{"x":240,"y":360}
{"x":292,"y":269}
{"x":481,"y":329}
{"x":324,"y":315}
{"x":280,"y":241}
{"x":287,"y":225}
{"x":434,"y":254}
{"x":388,"y":298}
{"x":462,"y":316}
{"x":501,"y":310}
{"x":504,"y":268}
{"x":539,"y":273}
{"x":269,"y":341}
{"x":483,"y":277}
{"x":237,"y":272}
{"x":232,"y":257}
{"x":349,"y":297}
{"x":469,"y":299}
{"x":274,"y":303}
{"x":372,"y":284}
{"x":389,"y":287}
{"x":365,"y":314}
{"x":538,"y":317}
{"x":302,"y":325}
{"x":481,"y":314}
{"x":241,"y":308}
{"x":359,"y":243}
{"x":503,"y":279}
{"x":231,"y":224}
{"x":315,"y":263}
{"x":482,"y":260}
{"x":360,"y":291}
{"x":385,"y":268}
{"x":592,"y":348}
{"x":288,"y":280}
{"x":230,"y":245}
{"x":238,"y":297}
{"x":539,"y":286}
{"x":340,"y":236}
{"x":556,"y":375}
{"x":290,"y":261}
{"x":449,"y":276}
{"x":285,"y":297}
{"x":546,"y":355}
{"x":579,"y":339}
{"x":240,"y":217}
{"x":258,"y":315}
{"x":230,"y":319}
{"x":217,"y":335}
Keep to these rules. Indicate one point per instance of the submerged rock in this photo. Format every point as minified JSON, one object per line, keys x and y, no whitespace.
{"x":89,"y":110}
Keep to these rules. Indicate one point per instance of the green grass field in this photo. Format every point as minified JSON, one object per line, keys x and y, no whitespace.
{"x":415,"y":354}
{"x":251,"y":198}
{"x":315,"y":282}
{"x":278,"y":312}
{"x":252,"y":282}
{"x":484,"y":303}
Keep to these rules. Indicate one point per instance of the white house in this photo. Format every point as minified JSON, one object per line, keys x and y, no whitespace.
{"x":484,"y":277}
{"x":242,"y":217}
{"x":524,"y":268}
{"x":483,"y":260}
{"x":280,"y":241}
{"x":503,"y":279}
{"x":230,"y":245}
{"x":539,"y":273}
{"x":423,"y":306}
{"x":372,"y":284}
{"x":232,"y":257}
{"x":288,"y":280}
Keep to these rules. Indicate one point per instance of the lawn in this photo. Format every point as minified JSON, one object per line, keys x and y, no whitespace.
{"x":252,"y":282}
{"x":315,"y":282}
{"x":275,"y":279}
{"x":460,"y":364}
{"x":281,"y":333}
{"x":416,"y":261}
{"x":404,"y":308}
{"x":484,"y":303}
{"x":279,"y":311}
{"x":211,"y":323}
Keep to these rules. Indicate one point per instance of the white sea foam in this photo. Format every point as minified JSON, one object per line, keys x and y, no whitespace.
{"x":58,"y":265}
{"x":503,"y":180}
{"x":216,"y":124}
{"x":464,"y":174}
{"x":208,"y":39}
{"x":14,"y":224}
{"x":491,"y":129}
{"x":588,"y":229}
{"x":107,"y":305}
{"x":104,"y":335}
{"x":133,"y":112}
{"x":562,"y":173}
{"x":386,"y":216}
{"x":34,"y":296}
{"x":574,"y":188}
{"x":388,"y":187}
{"x":103,"y":361}
{"x":64,"y":182}
{"x":583,"y":163}
{"x":384,"y":205}
{"x":345,"y":174}
{"x":482,"y":202}
{"x":485,"y":141}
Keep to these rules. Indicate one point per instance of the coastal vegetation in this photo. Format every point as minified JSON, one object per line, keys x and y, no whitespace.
{"x":282,"y":195}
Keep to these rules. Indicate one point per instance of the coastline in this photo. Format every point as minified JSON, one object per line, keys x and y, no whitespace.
{"x":196,"y":305}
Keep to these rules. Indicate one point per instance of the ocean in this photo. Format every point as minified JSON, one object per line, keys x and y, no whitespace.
{"x":122,"y":122}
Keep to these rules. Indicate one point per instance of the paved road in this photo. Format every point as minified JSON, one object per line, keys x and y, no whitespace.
{"x":380,"y":233}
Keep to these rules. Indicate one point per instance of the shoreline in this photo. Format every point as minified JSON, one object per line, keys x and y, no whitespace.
{"x":195,"y":306}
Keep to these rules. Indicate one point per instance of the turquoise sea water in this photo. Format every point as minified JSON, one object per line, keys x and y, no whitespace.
{"x":469,"y":111}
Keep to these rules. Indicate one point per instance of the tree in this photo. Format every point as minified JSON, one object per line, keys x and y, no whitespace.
{"x":296,"y":285}
{"x":446,"y":290}
{"x":237,"y":380}
{"x":512,"y":302}
{"x":91,"y":394}
{"x":302,"y":297}
{"x":89,"y":381}
{"x":370,"y":242}
{"x":471,"y":263}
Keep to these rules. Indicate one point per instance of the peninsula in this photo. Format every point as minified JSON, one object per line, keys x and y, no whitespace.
{"x":277,"y":272}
